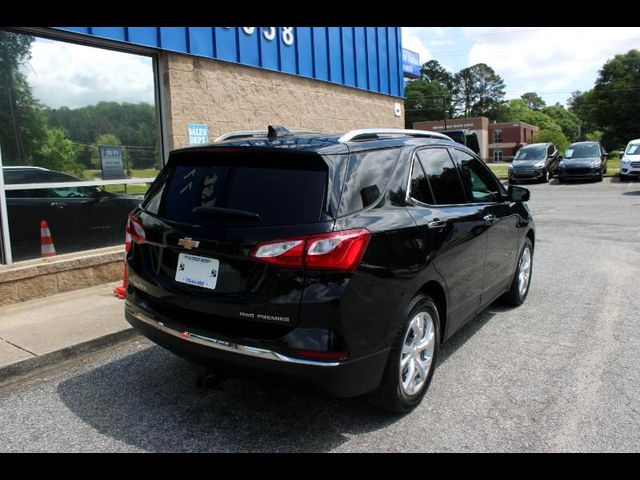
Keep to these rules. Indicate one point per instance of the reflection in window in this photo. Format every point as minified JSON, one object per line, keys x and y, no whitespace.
{"x":60,"y":102}
{"x":442,"y":175}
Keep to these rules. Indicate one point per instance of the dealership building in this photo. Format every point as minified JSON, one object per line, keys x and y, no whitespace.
{"x":89,"y":110}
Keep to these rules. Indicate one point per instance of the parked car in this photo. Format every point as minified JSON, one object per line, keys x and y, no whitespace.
{"x":583,"y":161}
{"x":630,"y":162}
{"x":535,"y":161}
{"x":337,"y":261}
{"x":79,"y":218}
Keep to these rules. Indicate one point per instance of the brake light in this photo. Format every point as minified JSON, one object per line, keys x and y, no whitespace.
{"x":134,"y":232}
{"x":328,"y":251}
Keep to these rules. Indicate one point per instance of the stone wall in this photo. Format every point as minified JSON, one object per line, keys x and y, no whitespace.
{"x":41,"y":278}
{"x":229,"y":97}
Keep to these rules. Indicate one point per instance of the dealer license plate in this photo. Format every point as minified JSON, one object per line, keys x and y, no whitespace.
{"x":198,"y":271}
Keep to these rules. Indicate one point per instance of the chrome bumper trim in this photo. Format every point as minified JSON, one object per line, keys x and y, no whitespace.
{"x":227,"y":346}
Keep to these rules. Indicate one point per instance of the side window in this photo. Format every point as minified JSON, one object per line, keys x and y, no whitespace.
{"x":480,"y":183}
{"x":367,"y":176}
{"x":420,"y":188}
{"x":442,"y":176}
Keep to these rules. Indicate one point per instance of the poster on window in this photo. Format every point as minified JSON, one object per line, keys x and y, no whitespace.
{"x":112,"y":164}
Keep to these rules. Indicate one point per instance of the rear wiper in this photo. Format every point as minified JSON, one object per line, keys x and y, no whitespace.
{"x":219,"y":213}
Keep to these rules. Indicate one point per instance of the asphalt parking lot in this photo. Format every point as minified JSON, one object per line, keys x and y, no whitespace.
{"x":560,"y":373}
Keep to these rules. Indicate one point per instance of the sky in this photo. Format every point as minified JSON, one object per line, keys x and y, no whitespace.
{"x":551,"y":61}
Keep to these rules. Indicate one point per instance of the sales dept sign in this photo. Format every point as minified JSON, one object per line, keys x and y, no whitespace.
{"x":198,"y":133}
{"x":111,"y":160}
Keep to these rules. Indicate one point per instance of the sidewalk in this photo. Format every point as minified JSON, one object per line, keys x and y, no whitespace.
{"x":40,"y":333}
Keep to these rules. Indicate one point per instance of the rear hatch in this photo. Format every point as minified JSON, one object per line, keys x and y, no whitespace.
{"x":202,"y":218}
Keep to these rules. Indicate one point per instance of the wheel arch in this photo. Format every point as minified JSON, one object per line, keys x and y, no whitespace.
{"x":437,"y":292}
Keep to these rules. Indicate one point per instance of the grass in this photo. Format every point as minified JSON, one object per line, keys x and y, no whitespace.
{"x":128,"y":189}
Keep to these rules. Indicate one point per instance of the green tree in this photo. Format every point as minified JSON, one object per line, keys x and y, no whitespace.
{"x":566,"y":120}
{"x":425,"y":100}
{"x":616,"y":96}
{"x":21,"y":117}
{"x":554,"y":136}
{"x":57,"y":152}
{"x":477,"y":90}
{"x":533,"y":100}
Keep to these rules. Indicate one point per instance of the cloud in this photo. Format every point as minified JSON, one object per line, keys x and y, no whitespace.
{"x":66,"y":74}
{"x":552,"y":59}
{"x":413,"y":42}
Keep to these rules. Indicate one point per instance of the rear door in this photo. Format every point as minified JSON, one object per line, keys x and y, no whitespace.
{"x":451,"y":229}
{"x":287,"y":192}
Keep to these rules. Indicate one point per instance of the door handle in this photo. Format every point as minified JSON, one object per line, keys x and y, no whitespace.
{"x":56,"y":204}
{"x":436,"y":224}
{"x":490,"y":219}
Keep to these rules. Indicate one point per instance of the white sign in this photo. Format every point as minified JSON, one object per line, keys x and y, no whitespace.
{"x":398,"y":110}
{"x":111,"y":160}
{"x":198,"y":133}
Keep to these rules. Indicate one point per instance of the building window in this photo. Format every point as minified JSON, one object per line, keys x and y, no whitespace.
{"x":74,"y":113}
{"x":497,"y":136}
{"x":497,"y":155}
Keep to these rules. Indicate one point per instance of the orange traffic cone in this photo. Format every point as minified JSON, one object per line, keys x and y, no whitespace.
{"x":46,"y":242}
{"x":120,"y":291}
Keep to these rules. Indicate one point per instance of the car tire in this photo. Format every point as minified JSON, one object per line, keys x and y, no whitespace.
{"x":561,"y":180}
{"x":519,"y":288}
{"x":624,"y":178}
{"x":413,"y":351}
{"x":600,"y":178}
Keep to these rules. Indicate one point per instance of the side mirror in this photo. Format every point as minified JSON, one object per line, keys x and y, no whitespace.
{"x":518,"y":194}
{"x":560,"y":157}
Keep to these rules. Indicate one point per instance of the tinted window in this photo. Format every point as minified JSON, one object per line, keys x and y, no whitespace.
{"x":442,"y":176}
{"x":277,"y":191}
{"x":480,"y":183}
{"x":420,"y":189}
{"x":367,"y":176}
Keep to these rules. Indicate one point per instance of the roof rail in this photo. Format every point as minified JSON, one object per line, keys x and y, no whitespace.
{"x":368,"y":132}
{"x":257,"y":133}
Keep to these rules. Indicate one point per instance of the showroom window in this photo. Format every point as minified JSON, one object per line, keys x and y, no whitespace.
{"x":80,"y":142}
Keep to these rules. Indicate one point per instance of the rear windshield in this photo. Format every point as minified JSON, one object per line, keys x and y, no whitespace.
{"x":282,"y":191}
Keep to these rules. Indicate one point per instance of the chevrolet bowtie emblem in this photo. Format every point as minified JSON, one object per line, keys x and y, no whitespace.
{"x":188,"y":243}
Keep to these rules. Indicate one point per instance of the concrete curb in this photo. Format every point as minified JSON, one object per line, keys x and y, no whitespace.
{"x":19,"y":370}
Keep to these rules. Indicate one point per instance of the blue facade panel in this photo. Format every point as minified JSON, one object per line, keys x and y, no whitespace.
{"x":305,"y":51}
{"x":367,"y":58}
{"x":146,"y":36}
{"x":249,"y":47}
{"x":201,"y":41}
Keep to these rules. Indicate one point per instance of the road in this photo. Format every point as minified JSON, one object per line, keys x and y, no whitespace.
{"x":560,"y":373}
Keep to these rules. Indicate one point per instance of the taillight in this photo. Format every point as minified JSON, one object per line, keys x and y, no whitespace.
{"x":285,"y":253}
{"x":134,"y":232}
{"x":328,"y":251}
{"x":337,"y":250}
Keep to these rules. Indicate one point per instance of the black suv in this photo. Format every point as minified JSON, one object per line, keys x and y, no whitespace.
{"x":536,"y":161}
{"x":337,"y":261}
{"x":583,"y":161}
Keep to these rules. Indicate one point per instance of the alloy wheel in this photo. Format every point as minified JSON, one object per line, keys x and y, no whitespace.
{"x":417,"y":353}
{"x":524,"y":271}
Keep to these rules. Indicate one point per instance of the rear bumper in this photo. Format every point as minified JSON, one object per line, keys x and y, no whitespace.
{"x":237,"y":356}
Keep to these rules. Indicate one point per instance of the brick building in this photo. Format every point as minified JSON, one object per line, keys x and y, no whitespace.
{"x":506,"y":138}
{"x":498,"y":141}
